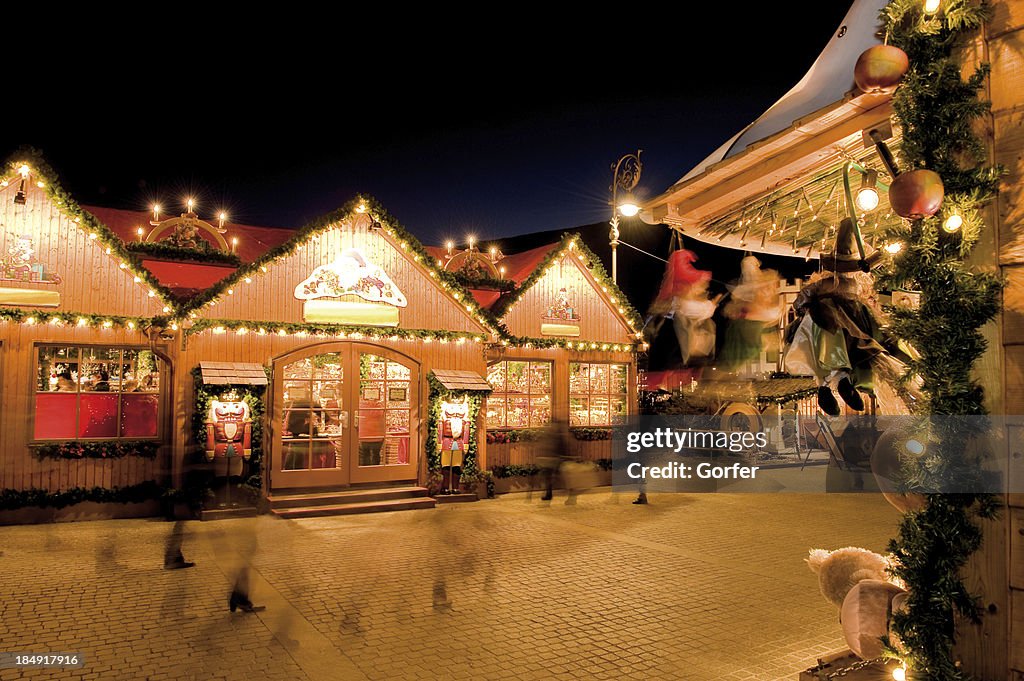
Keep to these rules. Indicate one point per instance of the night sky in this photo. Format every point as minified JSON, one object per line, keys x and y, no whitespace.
{"x":494,"y":130}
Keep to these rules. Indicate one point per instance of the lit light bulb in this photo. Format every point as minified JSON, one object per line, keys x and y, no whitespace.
{"x":23,"y":171}
{"x":629,"y":209}
{"x":191,"y":204}
{"x":953,"y":222}
{"x":900,"y":673}
{"x":931,"y":6}
{"x":893,"y":248}
{"x":867,"y":199}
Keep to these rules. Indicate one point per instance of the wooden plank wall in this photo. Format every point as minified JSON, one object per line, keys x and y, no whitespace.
{"x":992,"y":650}
{"x":598,"y":320}
{"x":91,"y":280}
{"x":270,"y":296}
{"x":20,"y":470}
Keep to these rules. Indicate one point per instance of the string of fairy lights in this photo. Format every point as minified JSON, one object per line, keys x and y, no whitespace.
{"x":187,"y":316}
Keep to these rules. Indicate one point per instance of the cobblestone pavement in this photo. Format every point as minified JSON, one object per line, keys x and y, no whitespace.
{"x":690,"y":587}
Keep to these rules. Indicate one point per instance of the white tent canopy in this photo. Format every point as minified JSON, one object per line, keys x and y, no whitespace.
{"x":828,"y":81}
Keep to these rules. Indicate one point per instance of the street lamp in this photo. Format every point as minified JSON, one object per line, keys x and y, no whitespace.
{"x":626,"y":176}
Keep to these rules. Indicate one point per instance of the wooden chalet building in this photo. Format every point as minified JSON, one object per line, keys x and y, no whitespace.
{"x":140,"y":352}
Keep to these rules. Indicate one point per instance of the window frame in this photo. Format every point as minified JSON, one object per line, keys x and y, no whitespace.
{"x":551,"y":393}
{"x":161,"y":393}
{"x":590,"y":394}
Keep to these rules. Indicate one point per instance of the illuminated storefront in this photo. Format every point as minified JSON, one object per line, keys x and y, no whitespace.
{"x":136,"y":349}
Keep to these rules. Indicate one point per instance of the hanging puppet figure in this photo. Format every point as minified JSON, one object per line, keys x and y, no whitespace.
{"x":690,"y":338}
{"x":837,"y":335}
{"x":753,"y":308}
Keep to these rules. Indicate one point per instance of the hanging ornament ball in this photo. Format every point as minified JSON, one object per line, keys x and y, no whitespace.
{"x":880,"y":69}
{"x":887,"y":459}
{"x":917,"y":194}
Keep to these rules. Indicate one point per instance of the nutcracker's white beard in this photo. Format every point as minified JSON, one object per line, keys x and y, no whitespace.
{"x":456,"y":424}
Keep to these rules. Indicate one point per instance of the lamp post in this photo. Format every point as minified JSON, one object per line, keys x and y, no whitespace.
{"x":626,"y":176}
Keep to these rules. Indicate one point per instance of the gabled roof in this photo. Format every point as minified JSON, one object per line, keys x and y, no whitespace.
{"x":358,"y":206}
{"x":46,"y":179}
{"x":591,"y":266}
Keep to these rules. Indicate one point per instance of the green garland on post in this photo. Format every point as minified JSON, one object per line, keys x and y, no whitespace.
{"x":937,"y":110}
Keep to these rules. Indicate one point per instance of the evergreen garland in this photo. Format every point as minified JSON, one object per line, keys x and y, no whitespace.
{"x":114,"y":449}
{"x":162,"y":249}
{"x":937,"y":110}
{"x":11,"y":499}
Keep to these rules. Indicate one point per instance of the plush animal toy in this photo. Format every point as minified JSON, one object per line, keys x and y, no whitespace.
{"x":838,"y":571}
{"x":856,"y":581}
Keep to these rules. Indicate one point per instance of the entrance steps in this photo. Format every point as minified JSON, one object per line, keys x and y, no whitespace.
{"x":349,"y":502}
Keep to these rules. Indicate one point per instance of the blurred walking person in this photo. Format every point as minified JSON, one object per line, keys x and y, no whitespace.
{"x":552,"y":452}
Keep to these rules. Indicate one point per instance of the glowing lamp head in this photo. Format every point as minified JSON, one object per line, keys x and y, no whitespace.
{"x":140,"y":231}
{"x":471,"y":240}
{"x":953,"y":222}
{"x":191,"y":203}
{"x":867,"y":195}
{"x":932,"y":6}
{"x":223,"y":216}
{"x":893,"y":248}
{"x":23,"y":171}
{"x":628,"y":207}
{"x":899,"y":674}
{"x":234,"y":241}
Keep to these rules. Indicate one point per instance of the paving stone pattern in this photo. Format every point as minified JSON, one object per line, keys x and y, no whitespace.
{"x":689,"y":587}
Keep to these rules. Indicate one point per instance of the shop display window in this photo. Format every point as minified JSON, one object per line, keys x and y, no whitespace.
{"x":313,"y":422}
{"x":521,"y":396}
{"x":598,"y":394}
{"x":96,"y":392}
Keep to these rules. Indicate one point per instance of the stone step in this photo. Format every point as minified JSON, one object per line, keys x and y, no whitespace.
{"x":340,"y":497}
{"x":456,"y":498}
{"x":406,"y":504}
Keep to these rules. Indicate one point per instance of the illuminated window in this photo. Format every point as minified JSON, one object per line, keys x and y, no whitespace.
{"x":94,"y":392}
{"x":521,"y":396}
{"x":598,"y":394}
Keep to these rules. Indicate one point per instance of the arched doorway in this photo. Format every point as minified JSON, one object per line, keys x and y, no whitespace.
{"x":344,"y":413}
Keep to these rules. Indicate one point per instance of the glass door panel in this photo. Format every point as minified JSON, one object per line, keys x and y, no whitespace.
{"x":385,"y":421}
{"x":310,"y":444}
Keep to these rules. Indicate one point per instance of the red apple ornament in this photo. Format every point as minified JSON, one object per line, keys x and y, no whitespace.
{"x":916,"y":194}
{"x":880,"y":69}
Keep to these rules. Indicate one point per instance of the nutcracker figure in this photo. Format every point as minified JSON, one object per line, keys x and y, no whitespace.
{"x":228,"y":429}
{"x":454,"y":437}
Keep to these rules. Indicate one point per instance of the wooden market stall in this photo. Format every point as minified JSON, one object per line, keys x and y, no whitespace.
{"x":141,"y":352}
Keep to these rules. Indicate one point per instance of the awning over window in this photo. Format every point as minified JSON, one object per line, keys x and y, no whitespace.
{"x":455,"y":379}
{"x":233,"y":373}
